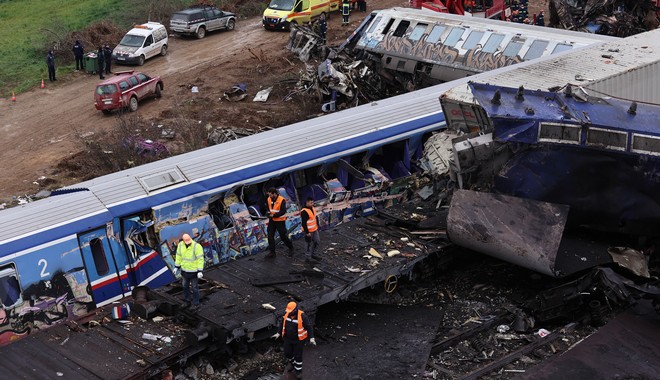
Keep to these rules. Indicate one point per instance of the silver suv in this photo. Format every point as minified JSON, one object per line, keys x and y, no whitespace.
{"x":197,"y":21}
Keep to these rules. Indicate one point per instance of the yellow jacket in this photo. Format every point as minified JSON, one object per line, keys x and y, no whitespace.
{"x":191,"y":258}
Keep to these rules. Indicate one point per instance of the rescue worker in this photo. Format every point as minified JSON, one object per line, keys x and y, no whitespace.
{"x":362,"y":5}
{"x":100,"y":60}
{"x":277,"y":222}
{"x":78,"y":52}
{"x":107,"y":55}
{"x":295,"y":330}
{"x":50,"y":62}
{"x":190,"y":262}
{"x":345,"y":11}
{"x":323,"y":27}
{"x":310,"y":225}
{"x":540,"y":19}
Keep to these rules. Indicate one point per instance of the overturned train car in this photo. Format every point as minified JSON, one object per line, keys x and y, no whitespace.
{"x":91,"y":244}
{"x":418,"y":48}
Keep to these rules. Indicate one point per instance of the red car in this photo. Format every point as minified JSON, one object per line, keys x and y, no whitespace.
{"x":125,"y":90}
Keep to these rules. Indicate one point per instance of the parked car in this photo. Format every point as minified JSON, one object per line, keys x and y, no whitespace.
{"x":141,"y":43}
{"x":125,"y":90}
{"x":199,"y":20}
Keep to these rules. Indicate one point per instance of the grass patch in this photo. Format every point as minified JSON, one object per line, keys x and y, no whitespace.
{"x":29,"y":28}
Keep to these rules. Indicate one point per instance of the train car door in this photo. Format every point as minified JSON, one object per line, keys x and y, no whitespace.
{"x":105,"y":280}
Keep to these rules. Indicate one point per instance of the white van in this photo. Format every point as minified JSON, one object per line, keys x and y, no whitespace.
{"x":141,"y":43}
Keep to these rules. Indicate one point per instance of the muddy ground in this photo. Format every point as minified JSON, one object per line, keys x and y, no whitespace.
{"x":40,"y":134}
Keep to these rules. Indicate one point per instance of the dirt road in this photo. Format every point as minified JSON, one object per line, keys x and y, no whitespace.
{"x":40,"y":128}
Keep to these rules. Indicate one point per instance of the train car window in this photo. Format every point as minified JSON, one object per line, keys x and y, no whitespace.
{"x":435,"y":34}
{"x":401,"y":28}
{"x":388,"y":26}
{"x":646,"y":144}
{"x":607,"y":139}
{"x":472,"y":40}
{"x":559,"y":133}
{"x":98,"y":255}
{"x":220,"y":214}
{"x":493,"y":43}
{"x":418,"y":32}
{"x":374,"y":24}
{"x":562,"y":47}
{"x":454,"y":36}
{"x":536,"y":49}
{"x":10,"y":288}
{"x":513,"y":48}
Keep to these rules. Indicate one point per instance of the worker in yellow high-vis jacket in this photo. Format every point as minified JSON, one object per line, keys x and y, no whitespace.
{"x":190,"y":261}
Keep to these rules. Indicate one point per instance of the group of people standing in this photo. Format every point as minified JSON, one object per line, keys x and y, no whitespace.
{"x":103,"y":60}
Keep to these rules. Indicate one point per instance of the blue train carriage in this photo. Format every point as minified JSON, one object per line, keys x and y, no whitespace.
{"x":49,"y":273}
{"x":599,"y":155}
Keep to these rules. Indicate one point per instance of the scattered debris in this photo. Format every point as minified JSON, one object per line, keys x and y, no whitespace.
{"x":237,"y":93}
{"x":610,"y":17}
{"x":262,"y":95}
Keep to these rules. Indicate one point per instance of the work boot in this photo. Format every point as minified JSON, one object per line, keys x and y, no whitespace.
{"x":270,"y":255}
{"x":298,"y":375}
{"x":289,"y":367}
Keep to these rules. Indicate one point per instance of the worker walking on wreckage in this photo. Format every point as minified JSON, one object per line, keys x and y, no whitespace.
{"x":295,"y":330}
{"x":345,"y":11}
{"x":277,"y":222}
{"x":310,"y":225}
{"x":190,"y":261}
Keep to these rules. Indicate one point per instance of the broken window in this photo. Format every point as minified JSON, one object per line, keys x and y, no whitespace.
{"x":607,"y":139}
{"x":98,"y":255}
{"x":493,"y":43}
{"x":418,"y":31}
{"x":374,"y":25}
{"x":513,"y":48}
{"x":435,"y":34}
{"x":10,"y":288}
{"x":646,"y":144}
{"x":401,"y":28}
{"x":388,"y":26}
{"x":562,"y":47}
{"x":472,"y":40}
{"x":536,"y":49}
{"x":559,"y":133}
{"x":454,"y":36}
{"x":220,"y":214}
{"x":139,"y":234}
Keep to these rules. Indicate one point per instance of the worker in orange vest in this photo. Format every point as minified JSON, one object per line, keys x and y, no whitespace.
{"x":277,"y":222}
{"x":295,"y":330}
{"x":468,"y":5}
{"x":310,"y":225}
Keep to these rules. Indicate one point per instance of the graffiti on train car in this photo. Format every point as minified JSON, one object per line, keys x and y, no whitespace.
{"x":475,"y":58}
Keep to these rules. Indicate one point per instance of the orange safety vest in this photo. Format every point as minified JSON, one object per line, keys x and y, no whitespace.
{"x":302,"y":333}
{"x":275,"y":207}
{"x":311,"y":222}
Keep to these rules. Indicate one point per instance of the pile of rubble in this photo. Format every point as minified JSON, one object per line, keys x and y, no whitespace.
{"x":610,"y":17}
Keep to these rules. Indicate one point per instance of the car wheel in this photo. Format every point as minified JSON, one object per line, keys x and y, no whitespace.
{"x":133,"y":104}
{"x":231,"y":24}
{"x":141,"y":60}
{"x":106,"y":112}
{"x":201,"y":32}
{"x":159,"y":90}
{"x":163,"y":50}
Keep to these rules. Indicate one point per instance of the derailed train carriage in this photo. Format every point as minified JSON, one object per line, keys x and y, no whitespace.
{"x":418,"y":48}
{"x":91,"y":244}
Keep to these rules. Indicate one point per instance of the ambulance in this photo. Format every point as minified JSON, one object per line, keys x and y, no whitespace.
{"x":281,"y":14}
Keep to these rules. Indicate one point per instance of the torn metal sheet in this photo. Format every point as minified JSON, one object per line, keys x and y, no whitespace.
{"x":631,"y":259}
{"x":521,"y":231}
{"x":438,"y":152}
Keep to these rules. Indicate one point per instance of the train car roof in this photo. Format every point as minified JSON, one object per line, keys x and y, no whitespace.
{"x":627,"y":68}
{"x":480,"y":23}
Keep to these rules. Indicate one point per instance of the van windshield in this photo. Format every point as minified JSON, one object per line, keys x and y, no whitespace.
{"x":281,"y":5}
{"x":132,"y":40}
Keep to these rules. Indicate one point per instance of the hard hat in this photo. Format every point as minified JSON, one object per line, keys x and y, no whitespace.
{"x":291,"y":306}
